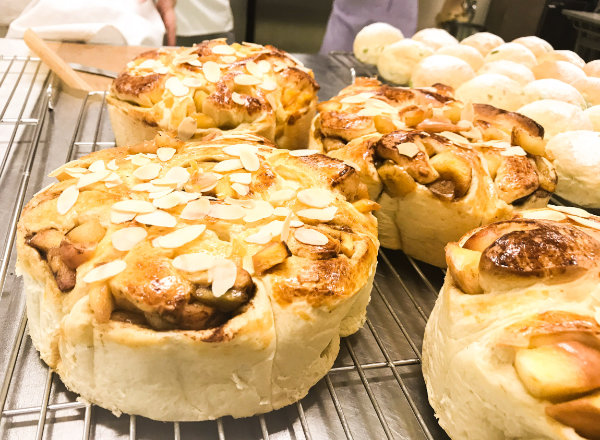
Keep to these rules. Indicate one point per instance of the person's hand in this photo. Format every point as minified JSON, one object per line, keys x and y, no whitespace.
{"x":166,"y":9}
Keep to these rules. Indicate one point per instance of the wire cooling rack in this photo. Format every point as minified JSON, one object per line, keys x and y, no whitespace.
{"x":374,"y":391}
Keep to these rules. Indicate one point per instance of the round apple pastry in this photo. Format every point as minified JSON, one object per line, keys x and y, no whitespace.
{"x":193,"y":91}
{"x":512,"y":347}
{"x":192,"y":280}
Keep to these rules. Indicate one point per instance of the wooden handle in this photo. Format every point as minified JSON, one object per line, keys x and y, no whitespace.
{"x":54,"y":62}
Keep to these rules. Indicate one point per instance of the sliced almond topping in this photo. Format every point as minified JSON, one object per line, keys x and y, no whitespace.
{"x":253,"y":69}
{"x":118,"y":217}
{"x":162,"y":193}
{"x":282,"y":195}
{"x":146,"y":187}
{"x":237,"y":98}
{"x":212,"y":71}
{"x":176,"y":87}
{"x":249,"y":160}
{"x":179,"y":237}
{"x":248,"y":204}
{"x":226,"y":212}
{"x":241,"y":189}
{"x":223,"y":49}
{"x":408,"y":149}
{"x":91,"y":178}
{"x":187,"y":128}
{"x":311,"y":236}
{"x":96,"y":166}
{"x":268,"y":84}
{"x":165,"y":153}
{"x":570,"y":210}
{"x":316,"y":197}
{"x":513,"y":151}
{"x":358,"y":98}
{"x":243,"y":178}
{"x":296,"y":224}
{"x":146,"y":65}
{"x":281,"y":211}
{"x":125,"y":239}
{"x":223,"y":275}
{"x":140,"y":159}
{"x":173,"y":199}
{"x":457,"y":138}
{"x":195,"y":210}
{"x":264,"y":66}
{"x":246,"y":80}
{"x":544,"y":214}
{"x":324,"y":214}
{"x":135,"y":206}
{"x":194,"y":262}
{"x":236,"y":150}
{"x":67,"y":199}
{"x":175,"y":176}
{"x":193,"y":83}
{"x":585,"y":222}
{"x":229,"y":59}
{"x":147,"y":172}
{"x":259,"y":211}
{"x":285,"y":228}
{"x":301,"y":153}
{"x":207,"y":181}
{"x":228,"y":165}
{"x":157,"y":218}
{"x":161,"y":69}
{"x":266,"y":233}
{"x":105,"y":271}
{"x":73,"y":171}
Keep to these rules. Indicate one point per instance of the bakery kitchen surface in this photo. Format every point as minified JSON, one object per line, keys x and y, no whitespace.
{"x":229,"y":241}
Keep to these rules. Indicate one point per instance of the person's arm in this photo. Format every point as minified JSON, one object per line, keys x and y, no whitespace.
{"x":166,"y":9}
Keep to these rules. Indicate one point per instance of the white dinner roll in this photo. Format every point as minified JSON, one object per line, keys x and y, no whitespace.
{"x":465,"y":53}
{"x":551,"y":88}
{"x":372,"y":39}
{"x":576,"y":156}
{"x":535,"y":44}
{"x":556,"y":116}
{"x":592,"y":68}
{"x":398,"y":60}
{"x":493,"y":89}
{"x":435,"y":38}
{"x":443,"y":69}
{"x":589,"y":87}
{"x":512,"y":52}
{"x":484,"y":42}
{"x":594,"y":114}
{"x":520,"y":73}
{"x":563,"y":55}
{"x":562,"y":70}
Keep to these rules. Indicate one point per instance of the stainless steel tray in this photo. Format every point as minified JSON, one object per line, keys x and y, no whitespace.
{"x":375,"y":389}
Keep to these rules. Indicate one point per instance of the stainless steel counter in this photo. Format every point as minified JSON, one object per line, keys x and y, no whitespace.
{"x":375,"y":389}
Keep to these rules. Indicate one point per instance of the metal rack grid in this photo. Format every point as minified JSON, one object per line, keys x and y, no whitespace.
{"x":374,"y":390}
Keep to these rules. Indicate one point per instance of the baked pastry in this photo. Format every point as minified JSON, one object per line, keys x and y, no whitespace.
{"x":512,"y":52}
{"x":398,"y":60}
{"x":550,"y":88}
{"x":443,"y":69}
{"x":435,"y":38}
{"x":556,"y":116}
{"x":493,"y":89}
{"x":197,"y":90}
{"x":520,"y":73}
{"x":484,"y":42}
{"x":512,"y":347}
{"x":537,"y":45}
{"x":371,"y":40}
{"x":562,"y":70}
{"x":188,"y":281}
{"x":465,"y":53}
{"x":438,"y":168}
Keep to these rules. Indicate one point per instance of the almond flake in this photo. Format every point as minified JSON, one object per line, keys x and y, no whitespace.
{"x":311,"y":236}
{"x":570,"y":210}
{"x":236,"y":150}
{"x":585,"y":222}
{"x":176,"y":87}
{"x":456,"y":138}
{"x":195,"y":210}
{"x":246,"y":80}
{"x":223,"y":275}
{"x":242,"y":190}
{"x":237,"y":98}
{"x":264,"y":66}
{"x":67,"y":199}
{"x":146,"y":186}
{"x":259,"y":211}
{"x":285,"y":228}
{"x":161,"y":193}
{"x":147,"y":172}
{"x":408,"y":149}
{"x":193,"y":83}
{"x":194,"y":262}
{"x":253,"y":68}
{"x":112,"y":180}
{"x":266,"y":233}
{"x":179,"y":237}
{"x":147,"y":65}
{"x":268,"y":84}
{"x":187,"y":128}
{"x":296,"y":224}
{"x":226,"y":212}
{"x":91,"y":178}
{"x":212,"y":71}
{"x":323,"y":214}
{"x":125,"y":239}
{"x":544,"y":214}
{"x":118,"y":217}
{"x":282,"y":211}
{"x":206,"y":181}
{"x":358,"y":98}
{"x":243,"y":178}
{"x":282,"y":195}
{"x":228,"y":165}
{"x":175,"y":176}
{"x":194,"y":62}
{"x":96,"y":166}
{"x":161,"y":69}
{"x":165,"y":153}
{"x":105,"y":271}
{"x":133,"y":205}
{"x":140,"y":159}
{"x":223,"y":49}
{"x":316,"y":197}
{"x":174,"y":198}
{"x":157,"y":218}
{"x":249,"y":160}
{"x":301,"y":153}
{"x":513,"y":151}
{"x":73,"y":171}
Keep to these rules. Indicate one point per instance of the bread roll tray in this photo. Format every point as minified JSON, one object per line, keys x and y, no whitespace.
{"x":375,"y":389}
